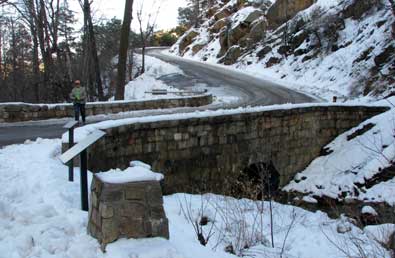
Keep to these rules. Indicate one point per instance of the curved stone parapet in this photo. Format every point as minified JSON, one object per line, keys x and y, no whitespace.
{"x":19,"y":112}
{"x":198,"y":153}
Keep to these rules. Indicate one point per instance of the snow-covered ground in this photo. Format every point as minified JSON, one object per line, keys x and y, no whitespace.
{"x":40,"y":217}
{"x":353,"y":162}
{"x":140,"y":87}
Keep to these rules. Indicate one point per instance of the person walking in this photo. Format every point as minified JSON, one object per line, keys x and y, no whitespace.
{"x":78,"y":96}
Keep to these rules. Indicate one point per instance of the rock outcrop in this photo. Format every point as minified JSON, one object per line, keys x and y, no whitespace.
{"x":231,"y":56}
{"x":253,"y":32}
{"x":187,"y":40}
{"x":222,"y":14}
{"x":283,"y":10}
{"x":219,"y":25}
{"x":358,"y":8}
{"x":196,"y":48}
{"x":258,"y":30}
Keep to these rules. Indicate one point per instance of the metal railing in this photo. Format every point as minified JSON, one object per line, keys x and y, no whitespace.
{"x":81,"y":149}
{"x":70,"y":127}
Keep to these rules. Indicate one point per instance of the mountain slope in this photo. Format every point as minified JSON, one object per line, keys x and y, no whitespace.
{"x":329,"y":48}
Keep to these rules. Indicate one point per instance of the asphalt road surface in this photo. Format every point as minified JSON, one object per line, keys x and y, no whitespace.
{"x":250,"y":91}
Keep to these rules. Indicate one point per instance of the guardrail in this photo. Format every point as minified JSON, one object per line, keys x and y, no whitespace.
{"x":81,"y":149}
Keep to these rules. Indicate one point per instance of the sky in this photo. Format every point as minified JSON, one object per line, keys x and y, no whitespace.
{"x":167,"y":17}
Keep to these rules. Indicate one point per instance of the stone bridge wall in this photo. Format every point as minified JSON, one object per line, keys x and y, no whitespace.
{"x":198,"y":153}
{"x":29,"y":112}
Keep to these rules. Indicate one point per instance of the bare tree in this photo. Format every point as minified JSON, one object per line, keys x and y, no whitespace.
{"x":91,"y":61}
{"x":123,"y":50}
{"x":146,"y":33}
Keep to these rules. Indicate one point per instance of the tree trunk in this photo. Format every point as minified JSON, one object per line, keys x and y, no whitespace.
{"x":41,"y":23}
{"x":91,"y":50}
{"x":143,"y":59}
{"x":131,"y":62}
{"x":1,"y":50}
{"x":96,"y":63}
{"x":14,"y":59}
{"x":123,"y":50}
{"x":36,"y":65}
{"x":197,"y":13}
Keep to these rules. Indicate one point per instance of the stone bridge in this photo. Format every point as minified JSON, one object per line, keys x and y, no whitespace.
{"x":200,"y":153}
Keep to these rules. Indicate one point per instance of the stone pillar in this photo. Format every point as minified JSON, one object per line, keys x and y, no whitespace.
{"x":126,"y":209}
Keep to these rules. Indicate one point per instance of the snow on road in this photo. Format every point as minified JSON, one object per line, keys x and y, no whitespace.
{"x":40,"y":217}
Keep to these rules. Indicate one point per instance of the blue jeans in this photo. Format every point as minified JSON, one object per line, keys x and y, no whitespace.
{"x":79,"y":108}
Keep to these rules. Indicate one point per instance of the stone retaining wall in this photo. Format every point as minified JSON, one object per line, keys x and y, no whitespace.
{"x":28,"y":112}
{"x":199,"y":153}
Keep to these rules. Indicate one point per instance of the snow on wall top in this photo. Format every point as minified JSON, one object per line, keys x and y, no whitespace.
{"x":138,"y":172}
{"x":82,"y":132}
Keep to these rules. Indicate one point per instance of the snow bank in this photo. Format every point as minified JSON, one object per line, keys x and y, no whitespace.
{"x":353,"y":162}
{"x":40,"y":217}
{"x":155,"y":68}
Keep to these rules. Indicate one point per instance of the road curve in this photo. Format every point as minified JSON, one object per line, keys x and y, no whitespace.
{"x":254,"y":91}
{"x":250,"y":90}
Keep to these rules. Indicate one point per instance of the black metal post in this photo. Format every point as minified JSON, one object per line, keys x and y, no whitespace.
{"x":71,"y":163}
{"x":84,"y":180}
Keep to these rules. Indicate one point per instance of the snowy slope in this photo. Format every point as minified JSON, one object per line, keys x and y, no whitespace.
{"x":354,"y":59}
{"x":357,"y":160}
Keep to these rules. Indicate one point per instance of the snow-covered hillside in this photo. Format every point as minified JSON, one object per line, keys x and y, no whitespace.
{"x":359,"y":165}
{"x":329,"y":48}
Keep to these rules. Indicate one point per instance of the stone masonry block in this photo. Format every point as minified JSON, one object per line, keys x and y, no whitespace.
{"x":128,"y":209}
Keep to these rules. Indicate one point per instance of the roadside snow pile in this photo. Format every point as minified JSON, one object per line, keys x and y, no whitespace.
{"x":155,"y":68}
{"x":160,"y":75}
{"x":355,"y":167}
{"x":40,"y":217}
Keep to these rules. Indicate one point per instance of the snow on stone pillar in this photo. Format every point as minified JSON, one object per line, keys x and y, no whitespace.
{"x":127,"y":204}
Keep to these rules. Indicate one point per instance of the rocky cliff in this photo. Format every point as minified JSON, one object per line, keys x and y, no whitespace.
{"x":325,"y":47}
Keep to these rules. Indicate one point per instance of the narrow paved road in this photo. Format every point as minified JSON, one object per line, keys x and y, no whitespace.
{"x":250,"y":90}
{"x":253,"y":91}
